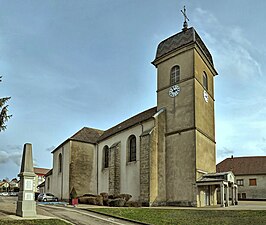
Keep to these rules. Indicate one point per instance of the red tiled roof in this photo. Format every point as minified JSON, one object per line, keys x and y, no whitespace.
{"x":40,"y":171}
{"x":243,"y":165}
{"x":129,"y":123}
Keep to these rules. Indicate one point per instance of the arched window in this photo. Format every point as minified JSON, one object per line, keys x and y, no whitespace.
{"x":132,"y":148}
{"x":48,"y":186}
{"x":60,"y":163}
{"x":105,"y":156}
{"x":205,"y":80}
{"x":175,"y":75}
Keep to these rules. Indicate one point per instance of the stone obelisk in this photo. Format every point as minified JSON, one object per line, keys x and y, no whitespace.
{"x":26,"y":205}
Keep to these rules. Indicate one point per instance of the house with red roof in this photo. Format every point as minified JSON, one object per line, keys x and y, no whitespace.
{"x":250,"y":173}
{"x":39,"y":177}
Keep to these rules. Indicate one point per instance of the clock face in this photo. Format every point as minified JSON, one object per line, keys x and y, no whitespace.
{"x":205,"y":96}
{"x":174,"y":91}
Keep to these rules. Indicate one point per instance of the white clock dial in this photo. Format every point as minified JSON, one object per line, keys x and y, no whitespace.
{"x":174,"y":90}
{"x":205,"y":96}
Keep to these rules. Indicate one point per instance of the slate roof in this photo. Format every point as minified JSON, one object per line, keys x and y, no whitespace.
{"x":181,"y":39}
{"x":129,"y":123}
{"x":87,"y":134}
{"x":42,"y":171}
{"x":243,"y":165}
{"x":93,"y":136}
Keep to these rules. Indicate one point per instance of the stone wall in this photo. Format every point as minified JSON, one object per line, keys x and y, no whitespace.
{"x":152,"y":163}
{"x":145,"y":169}
{"x":83,"y":168}
{"x":114,"y":168}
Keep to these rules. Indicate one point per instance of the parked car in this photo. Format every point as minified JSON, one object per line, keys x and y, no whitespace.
{"x":13,"y":193}
{"x":45,"y":197}
{"x":4,"y":193}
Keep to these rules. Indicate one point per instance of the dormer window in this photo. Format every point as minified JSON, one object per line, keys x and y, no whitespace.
{"x":175,"y":75}
{"x":205,"y":80}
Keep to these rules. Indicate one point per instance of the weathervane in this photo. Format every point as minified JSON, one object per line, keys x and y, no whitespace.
{"x":185,"y":18}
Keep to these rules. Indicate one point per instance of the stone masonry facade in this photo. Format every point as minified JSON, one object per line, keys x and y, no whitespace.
{"x":145,"y":169}
{"x":114,"y":169}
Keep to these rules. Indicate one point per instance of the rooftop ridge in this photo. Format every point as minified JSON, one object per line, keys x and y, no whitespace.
{"x":140,"y":117}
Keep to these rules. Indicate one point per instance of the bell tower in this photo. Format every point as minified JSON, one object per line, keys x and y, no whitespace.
{"x":185,"y":75}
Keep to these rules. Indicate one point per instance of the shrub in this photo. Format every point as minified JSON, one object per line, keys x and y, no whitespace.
{"x":133,"y":204}
{"x":105,"y":198}
{"x":118,"y":202}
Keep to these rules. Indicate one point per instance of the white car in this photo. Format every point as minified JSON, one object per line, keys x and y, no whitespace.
{"x":4,"y":194}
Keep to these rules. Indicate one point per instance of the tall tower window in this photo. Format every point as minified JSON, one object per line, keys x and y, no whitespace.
{"x":175,"y":75}
{"x":132,"y":148}
{"x":105,"y":156}
{"x":205,"y":80}
{"x":60,"y":163}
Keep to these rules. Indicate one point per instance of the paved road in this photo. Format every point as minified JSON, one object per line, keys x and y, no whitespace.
{"x":73,"y":215}
{"x":83,"y":217}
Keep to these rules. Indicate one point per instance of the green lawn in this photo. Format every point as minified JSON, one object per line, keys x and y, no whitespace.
{"x":33,"y":222}
{"x":188,"y":216}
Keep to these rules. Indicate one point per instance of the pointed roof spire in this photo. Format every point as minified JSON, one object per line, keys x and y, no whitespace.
{"x":185,"y":25}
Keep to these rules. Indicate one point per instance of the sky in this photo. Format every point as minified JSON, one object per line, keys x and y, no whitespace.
{"x":71,"y":64}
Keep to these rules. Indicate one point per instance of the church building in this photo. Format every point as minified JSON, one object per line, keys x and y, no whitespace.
{"x":159,"y":156}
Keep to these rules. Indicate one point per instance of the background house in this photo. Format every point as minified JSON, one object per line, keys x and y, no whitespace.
{"x":39,"y":178}
{"x":250,"y":173}
{"x":4,"y":185}
{"x":14,"y":185}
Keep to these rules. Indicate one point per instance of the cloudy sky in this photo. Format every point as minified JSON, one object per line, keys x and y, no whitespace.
{"x":70,"y":64}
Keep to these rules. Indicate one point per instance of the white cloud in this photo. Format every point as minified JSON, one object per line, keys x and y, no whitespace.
{"x":232,"y":51}
{"x":14,"y":157}
{"x":240,"y":91}
{"x":3,"y":157}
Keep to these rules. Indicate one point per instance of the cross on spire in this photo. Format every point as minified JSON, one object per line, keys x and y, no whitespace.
{"x":185,"y":19}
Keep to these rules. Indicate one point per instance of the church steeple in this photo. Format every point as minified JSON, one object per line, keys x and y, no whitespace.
{"x":185,"y":90}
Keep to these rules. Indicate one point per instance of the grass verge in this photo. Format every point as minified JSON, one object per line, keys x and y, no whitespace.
{"x":33,"y":222}
{"x":188,"y":217}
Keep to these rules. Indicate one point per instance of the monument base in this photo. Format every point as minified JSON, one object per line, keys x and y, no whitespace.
{"x":26,"y":208}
